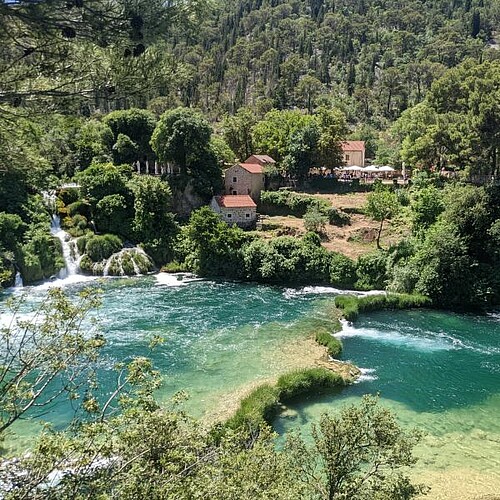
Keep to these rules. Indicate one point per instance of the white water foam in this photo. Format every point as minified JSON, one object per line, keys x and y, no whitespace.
{"x":176,"y":279}
{"x":367,"y":375}
{"x":63,"y":282}
{"x":428,"y":341}
{"x":494,"y":315}
{"x":71,"y":266}
{"x":19,"y":281}
{"x":327,"y":290}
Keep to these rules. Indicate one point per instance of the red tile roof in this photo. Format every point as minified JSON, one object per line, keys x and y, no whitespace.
{"x":253,"y":168}
{"x":353,"y":146}
{"x":235,"y":201}
{"x":262,"y":158}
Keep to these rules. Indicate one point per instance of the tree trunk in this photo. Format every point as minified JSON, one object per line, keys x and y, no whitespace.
{"x":379,"y":233}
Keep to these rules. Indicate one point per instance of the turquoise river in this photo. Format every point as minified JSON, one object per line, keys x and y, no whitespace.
{"x":438,"y":371}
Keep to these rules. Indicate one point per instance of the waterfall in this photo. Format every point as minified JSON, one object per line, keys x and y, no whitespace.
{"x":71,"y":266}
{"x":19,"y":280}
{"x":128,"y":262}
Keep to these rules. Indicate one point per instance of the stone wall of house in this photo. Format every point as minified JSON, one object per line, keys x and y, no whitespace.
{"x":355,"y":158}
{"x":257,"y":186}
{"x":243,"y":217}
{"x":236,"y":215}
{"x":246,"y":183}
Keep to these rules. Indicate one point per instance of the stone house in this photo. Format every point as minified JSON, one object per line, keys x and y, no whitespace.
{"x":235,"y":209}
{"x":244,"y":179}
{"x":353,"y":153}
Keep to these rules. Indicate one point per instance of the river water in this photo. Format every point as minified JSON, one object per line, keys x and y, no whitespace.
{"x":439,"y":371}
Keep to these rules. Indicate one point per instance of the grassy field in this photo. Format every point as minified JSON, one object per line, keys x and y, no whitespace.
{"x":353,"y":240}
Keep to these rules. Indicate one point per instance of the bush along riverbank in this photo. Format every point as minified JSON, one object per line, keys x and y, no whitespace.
{"x":350,"y":306}
{"x":263,"y":404}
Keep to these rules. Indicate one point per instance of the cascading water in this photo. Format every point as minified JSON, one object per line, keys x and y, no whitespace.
{"x":18,"y":283}
{"x":71,"y":266}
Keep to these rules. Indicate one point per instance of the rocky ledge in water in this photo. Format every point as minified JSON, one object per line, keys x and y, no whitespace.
{"x":126,"y":262}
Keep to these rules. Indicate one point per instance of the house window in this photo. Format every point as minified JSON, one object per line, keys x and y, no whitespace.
{"x":235,"y":179}
{"x":247,"y":216}
{"x":229,"y":216}
{"x":347,"y":157}
{"x":235,"y":192}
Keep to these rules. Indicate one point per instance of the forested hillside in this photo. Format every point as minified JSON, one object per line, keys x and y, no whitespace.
{"x":374,"y":58}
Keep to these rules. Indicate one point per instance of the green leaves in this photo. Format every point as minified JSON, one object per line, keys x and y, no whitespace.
{"x":382,"y":205}
{"x":361,"y":453}
{"x":53,"y":349}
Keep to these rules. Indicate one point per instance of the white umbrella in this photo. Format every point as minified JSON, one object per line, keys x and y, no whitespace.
{"x":386,"y":168}
{"x":353,"y":168}
{"x":372,"y":169}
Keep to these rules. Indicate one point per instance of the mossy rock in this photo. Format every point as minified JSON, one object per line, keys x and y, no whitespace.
{"x":127,"y":263}
{"x":333,"y":344}
{"x":114,"y":267}
{"x":143,"y":262}
{"x":86,"y":265}
{"x":101,"y":247}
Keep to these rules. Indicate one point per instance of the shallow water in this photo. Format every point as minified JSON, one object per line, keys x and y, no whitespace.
{"x":218,"y":336}
{"x":439,"y":371}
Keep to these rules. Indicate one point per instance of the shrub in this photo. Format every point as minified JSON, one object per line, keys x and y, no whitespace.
{"x":393,"y":301}
{"x":173,"y":267}
{"x":69,"y":195}
{"x":127,"y":264}
{"x":342,"y":270}
{"x":349,"y":306}
{"x":333,"y":344}
{"x":285,"y":202}
{"x":257,"y":408}
{"x":307,"y":381}
{"x":143,"y":262}
{"x":371,"y":271}
{"x":338,"y":217}
{"x":86,"y":264}
{"x":102,"y":247}
{"x":80,"y":222}
{"x":114,"y":214}
{"x":41,"y":257}
{"x":81,"y":243}
{"x":78,"y":207}
{"x":315,"y":220}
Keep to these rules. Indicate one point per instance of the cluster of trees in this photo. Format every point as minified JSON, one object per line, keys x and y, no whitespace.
{"x":125,"y":444}
{"x":457,"y":126}
{"x":209,"y":247}
{"x":113,"y":201}
{"x":297,"y":141}
{"x":81,"y":55}
{"x":452,"y":255}
{"x":374,"y":59}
